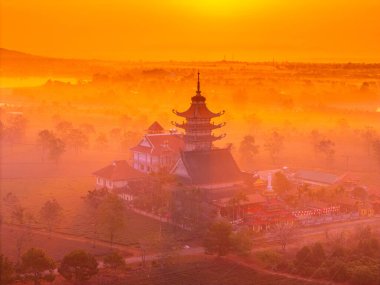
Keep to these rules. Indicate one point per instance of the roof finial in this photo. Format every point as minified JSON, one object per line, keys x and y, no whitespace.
{"x":198,"y":86}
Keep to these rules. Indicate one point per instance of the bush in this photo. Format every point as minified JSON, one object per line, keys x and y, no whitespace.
{"x":114,"y":260}
{"x":78,"y":266}
{"x":321,"y":273}
{"x":338,"y":252}
{"x":318,"y":254}
{"x":364,"y":275}
{"x":303,"y":257}
{"x":284,"y":266}
{"x":270,"y":258}
{"x":6,"y":270}
{"x":306,"y":270}
{"x":338,"y":271}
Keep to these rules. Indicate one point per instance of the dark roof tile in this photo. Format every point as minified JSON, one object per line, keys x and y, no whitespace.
{"x":211,"y":166}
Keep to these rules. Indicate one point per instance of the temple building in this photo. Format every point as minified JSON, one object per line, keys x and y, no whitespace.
{"x":119,"y":174}
{"x":157,"y":151}
{"x":200,"y":163}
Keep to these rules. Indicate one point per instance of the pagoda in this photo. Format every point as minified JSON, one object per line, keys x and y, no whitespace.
{"x":200,"y":164}
{"x":198,"y":126}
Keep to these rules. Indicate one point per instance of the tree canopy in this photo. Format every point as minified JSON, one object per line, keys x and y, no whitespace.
{"x":35,"y":264}
{"x":78,"y":266}
{"x":6,"y":271}
{"x":111,"y":216}
{"x":51,"y":214}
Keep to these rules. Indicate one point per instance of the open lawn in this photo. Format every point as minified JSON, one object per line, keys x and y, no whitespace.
{"x":34,"y":182}
{"x":196,"y":270}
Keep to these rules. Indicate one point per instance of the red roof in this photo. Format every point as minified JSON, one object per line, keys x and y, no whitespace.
{"x":161,"y":143}
{"x":119,"y":170}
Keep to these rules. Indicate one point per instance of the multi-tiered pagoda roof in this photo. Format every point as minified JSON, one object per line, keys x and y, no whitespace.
{"x":201,"y":164}
{"x":198,"y":125}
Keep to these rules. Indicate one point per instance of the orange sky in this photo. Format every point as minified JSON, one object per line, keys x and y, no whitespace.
{"x":295,"y":30}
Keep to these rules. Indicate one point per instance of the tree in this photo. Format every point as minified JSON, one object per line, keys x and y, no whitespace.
{"x":36,"y":265}
{"x":318,"y":254}
{"x":189,"y":209}
{"x":23,"y":217}
{"x":51,"y":214}
{"x":218,"y":239}
{"x":57,"y":148}
{"x":51,"y":145}
{"x":102,"y":141}
{"x":114,"y":260}
{"x":242,"y":242}
{"x":281,"y":183}
{"x":63,"y":128}
{"x":111,"y":216}
{"x":116,"y":134}
{"x":77,"y":139}
{"x":44,"y":140}
{"x":2,"y":128}
{"x":78,"y":266}
{"x":87,"y":128}
{"x":93,"y":199}
{"x":283,"y":234}
{"x":247,"y":150}
{"x":360,"y":193}
{"x":16,"y":127}
{"x":327,"y":148}
{"x":20,"y":215}
{"x":365,"y":275}
{"x":338,"y":271}
{"x":343,"y":125}
{"x":11,"y":202}
{"x":304,"y":256}
{"x":6,"y":271}
{"x":376,"y":148}
{"x":316,"y":137}
{"x":168,"y":247}
{"x":369,"y":135}
{"x":274,"y":144}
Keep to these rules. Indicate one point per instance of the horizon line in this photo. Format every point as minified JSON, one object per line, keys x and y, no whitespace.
{"x":272,"y":61}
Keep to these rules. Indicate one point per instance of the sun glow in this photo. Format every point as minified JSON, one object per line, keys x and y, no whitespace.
{"x":218,"y":7}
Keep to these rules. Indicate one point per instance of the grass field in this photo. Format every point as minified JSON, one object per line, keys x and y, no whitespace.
{"x":198,"y":271}
{"x":34,"y":182}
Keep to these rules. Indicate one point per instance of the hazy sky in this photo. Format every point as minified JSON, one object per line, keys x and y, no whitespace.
{"x":305,"y":30}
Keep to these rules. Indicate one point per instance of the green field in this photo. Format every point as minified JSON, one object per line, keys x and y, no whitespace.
{"x":197,"y":271}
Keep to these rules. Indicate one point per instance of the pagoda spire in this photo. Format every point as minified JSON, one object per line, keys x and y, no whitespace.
{"x":198,"y":86}
{"x":198,"y":126}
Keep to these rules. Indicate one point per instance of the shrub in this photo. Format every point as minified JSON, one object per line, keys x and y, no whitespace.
{"x":338,"y":272}
{"x":78,"y":266}
{"x":364,"y":275}
{"x":321,"y":273}
{"x":114,"y":260}
{"x":270,"y":258}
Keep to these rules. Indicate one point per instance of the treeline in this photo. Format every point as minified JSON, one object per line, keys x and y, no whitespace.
{"x":324,"y":146}
{"x":352,"y":258}
{"x":76,"y":267}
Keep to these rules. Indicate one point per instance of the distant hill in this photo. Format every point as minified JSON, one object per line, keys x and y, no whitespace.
{"x":15,"y":63}
{"x":6,"y":54}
